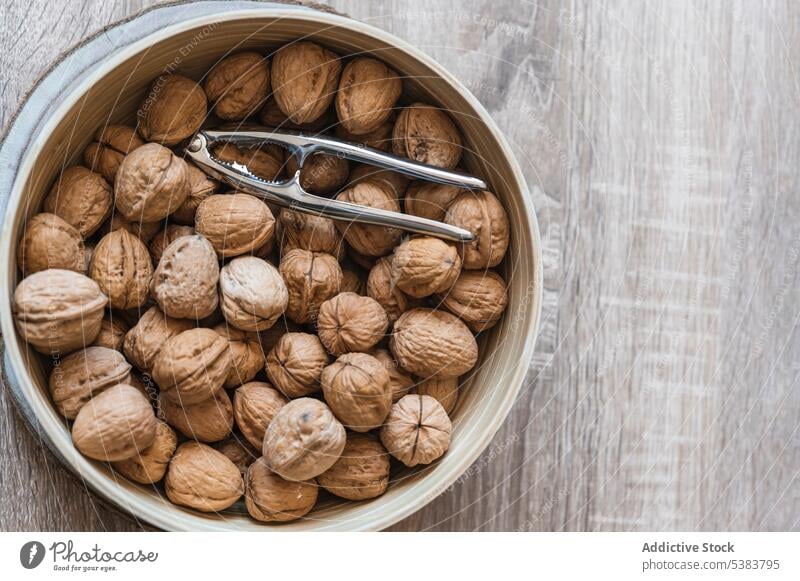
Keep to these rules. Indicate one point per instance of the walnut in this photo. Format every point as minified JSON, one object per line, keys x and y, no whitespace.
{"x":173,"y":110}
{"x":425,"y":265}
{"x":202,"y":478}
{"x":482,"y":214}
{"x":166,"y":237}
{"x":246,"y":355}
{"x":192,"y":366}
{"x":417,"y":430}
{"x":50,"y":242}
{"x":427,"y":135}
{"x":210,"y":420}
{"x":303,"y":440}
{"x":152,"y":182}
{"x":309,"y":232}
{"x":58,"y":311}
{"x":321,"y":174}
{"x":361,"y":472}
{"x":478,"y":297}
{"x":352,"y":283}
{"x":357,"y":389}
{"x":442,"y":389}
{"x":238,"y":85}
{"x":396,"y":182}
{"x":144,"y":384}
{"x":265,"y":162}
{"x":365,"y":238}
{"x":365,"y":262}
{"x":200,"y":187}
{"x":349,"y":322}
{"x":295,"y":364}
{"x":121,"y":266}
{"x":427,"y":343}
{"x":368,"y":90}
{"x":381,"y":288}
{"x":271,"y":336}
{"x":145,"y":339}
{"x":254,"y":406}
{"x":234,"y":223}
{"x":399,"y":381}
{"x":253,"y":293}
{"x":150,"y":465}
{"x":144,"y":230}
{"x":379,"y":138}
{"x":304,"y":80}
{"x":272,"y":116}
{"x":112,"y":333}
{"x":81,"y":198}
{"x":311,"y":278}
{"x":110,"y":146}
{"x":239,"y":452}
{"x":114,"y":425}
{"x":430,"y":200}
{"x":185,"y":281}
{"x":270,"y":498}
{"x":82,"y":375}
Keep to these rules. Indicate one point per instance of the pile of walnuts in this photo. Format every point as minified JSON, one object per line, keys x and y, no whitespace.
{"x":202,"y":338}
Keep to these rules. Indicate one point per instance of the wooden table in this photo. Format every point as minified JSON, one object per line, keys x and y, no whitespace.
{"x":662,"y":147}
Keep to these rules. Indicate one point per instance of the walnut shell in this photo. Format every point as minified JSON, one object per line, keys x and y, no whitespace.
{"x":309,"y":232}
{"x":303,"y":440}
{"x":349,"y":322}
{"x":114,"y":425}
{"x":433,"y":343}
{"x":254,"y":295}
{"x":295,"y":364}
{"x":185,"y":281}
{"x":400,"y":382}
{"x":368,"y":91}
{"x":425,"y":265}
{"x":352,"y":283}
{"x":234,"y":223}
{"x":83,"y":374}
{"x":442,"y":389}
{"x":379,"y":138}
{"x":80,"y":197}
{"x":365,"y":238}
{"x":151,"y":183}
{"x":321,"y":174}
{"x":200,"y":187}
{"x":166,"y":237}
{"x":361,"y":472}
{"x":478,"y":297}
{"x":304,"y":80}
{"x":174,"y":109}
{"x":396,"y":182}
{"x":427,"y":135}
{"x":121,"y":266}
{"x":311,"y":279}
{"x":210,"y":420}
{"x":417,"y":430}
{"x":357,"y":389}
{"x":150,"y":465}
{"x":112,"y":332}
{"x":362,"y":260}
{"x":50,"y":242}
{"x":381,"y":288}
{"x":202,"y":478}
{"x":265,"y":162}
{"x":270,"y":498}
{"x":110,"y":146}
{"x":238,"y":85}
{"x":271,"y":336}
{"x":239,"y":452}
{"x":246,"y":355}
{"x":192,"y":366}
{"x":430,"y":200}
{"x":482,"y":214}
{"x":58,"y":311}
{"x":146,"y":338}
{"x":272,"y":116}
{"x":144,"y":230}
{"x":254,"y":406}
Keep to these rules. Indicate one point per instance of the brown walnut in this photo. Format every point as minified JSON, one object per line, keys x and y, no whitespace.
{"x":112,"y":332}
{"x":210,"y":420}
{"x":80,"y":197}
{"x":202,"y":478}
{"x":150,"y":465}
{"x":321,"y":174}
{"x":200,"y":187}
{"x":173,"y":110}
{"x":352,"y":283}
{"x":254,"y":406}
{"x":234,"y":223}
{"x":368,"y":91}
{"x":478,"y":298}
{"x":253,"y":293}
{"x":430,"y":200}
{"x":442,"y":389}
{"x":424,"y":265}
{"x":379,"y":138}
{"x":246,"y":355}
{"x":304,"y":80}
{"x":166,"y":237}
{"x":144,"y":230}
{"x":265,"y":162}
{"x":357,"y":389}
{"x":295,"y":364}
{"x":427,"y":135}
{"x":50,"y":242}
{"x":110,"y":146}
{"x":388,"y":295}
{"x":366,"y":238}
{"x":361,"y":472}
{"x":396,"y":182}
{"x":482,"y":214}
{"x":146,"y":338}
{"x":270,"y":498}
{"x":311,"y":279}
{"x":121,"y":266}
{"x":239,"y":452}
{"x":349,"y":322}
{"x":400,"y":381}
{"x":417,"y":430}
{"x":238,"y":85}
{"x":309,"y":232}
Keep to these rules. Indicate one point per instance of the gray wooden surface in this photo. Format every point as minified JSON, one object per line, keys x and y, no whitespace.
{"x":661,"y":142}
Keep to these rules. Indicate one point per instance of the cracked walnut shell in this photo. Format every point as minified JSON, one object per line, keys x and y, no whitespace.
{"x":174,"y":109}
{"x":150,"y":465}
{"x":238,"y":85}
{"x":253,"y":294}
{"x":425,"y":265}
{"x":478,"y":298}
{"x":361,"y":472}
{"x":295,"y":364}
{"x":210,"y":420}
{"x":80,"y":197}
{"x":357,"y":389}
{"x":417,"y":430}
{"x":349,"y":322}
{"x":110,"y":146}
{"x":234,"y":223}
{"x":121,"y":266}
{"x":50,"y":242}
{"x":366,"y":238}
{"x":433,"y":343}
{"x":368,"y":91}
{"x":270,"y":498}
{"x":482,"y":214}
{"x":303,"y":440}
{"x":311,"y":279}
{"x":146,"y":338}
{"x":246,"y":354}
{"x":427,"y":135}
{"x":254,"y":406}
{"x":304,"y":80}
{"x":202,"y":478}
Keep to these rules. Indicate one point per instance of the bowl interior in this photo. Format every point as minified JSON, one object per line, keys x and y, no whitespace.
{"x":113,"y":94}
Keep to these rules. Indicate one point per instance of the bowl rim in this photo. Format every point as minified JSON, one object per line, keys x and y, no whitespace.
{"x":427,"y":488}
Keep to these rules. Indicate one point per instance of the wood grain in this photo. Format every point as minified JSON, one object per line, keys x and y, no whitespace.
{"x":660,"y":141}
